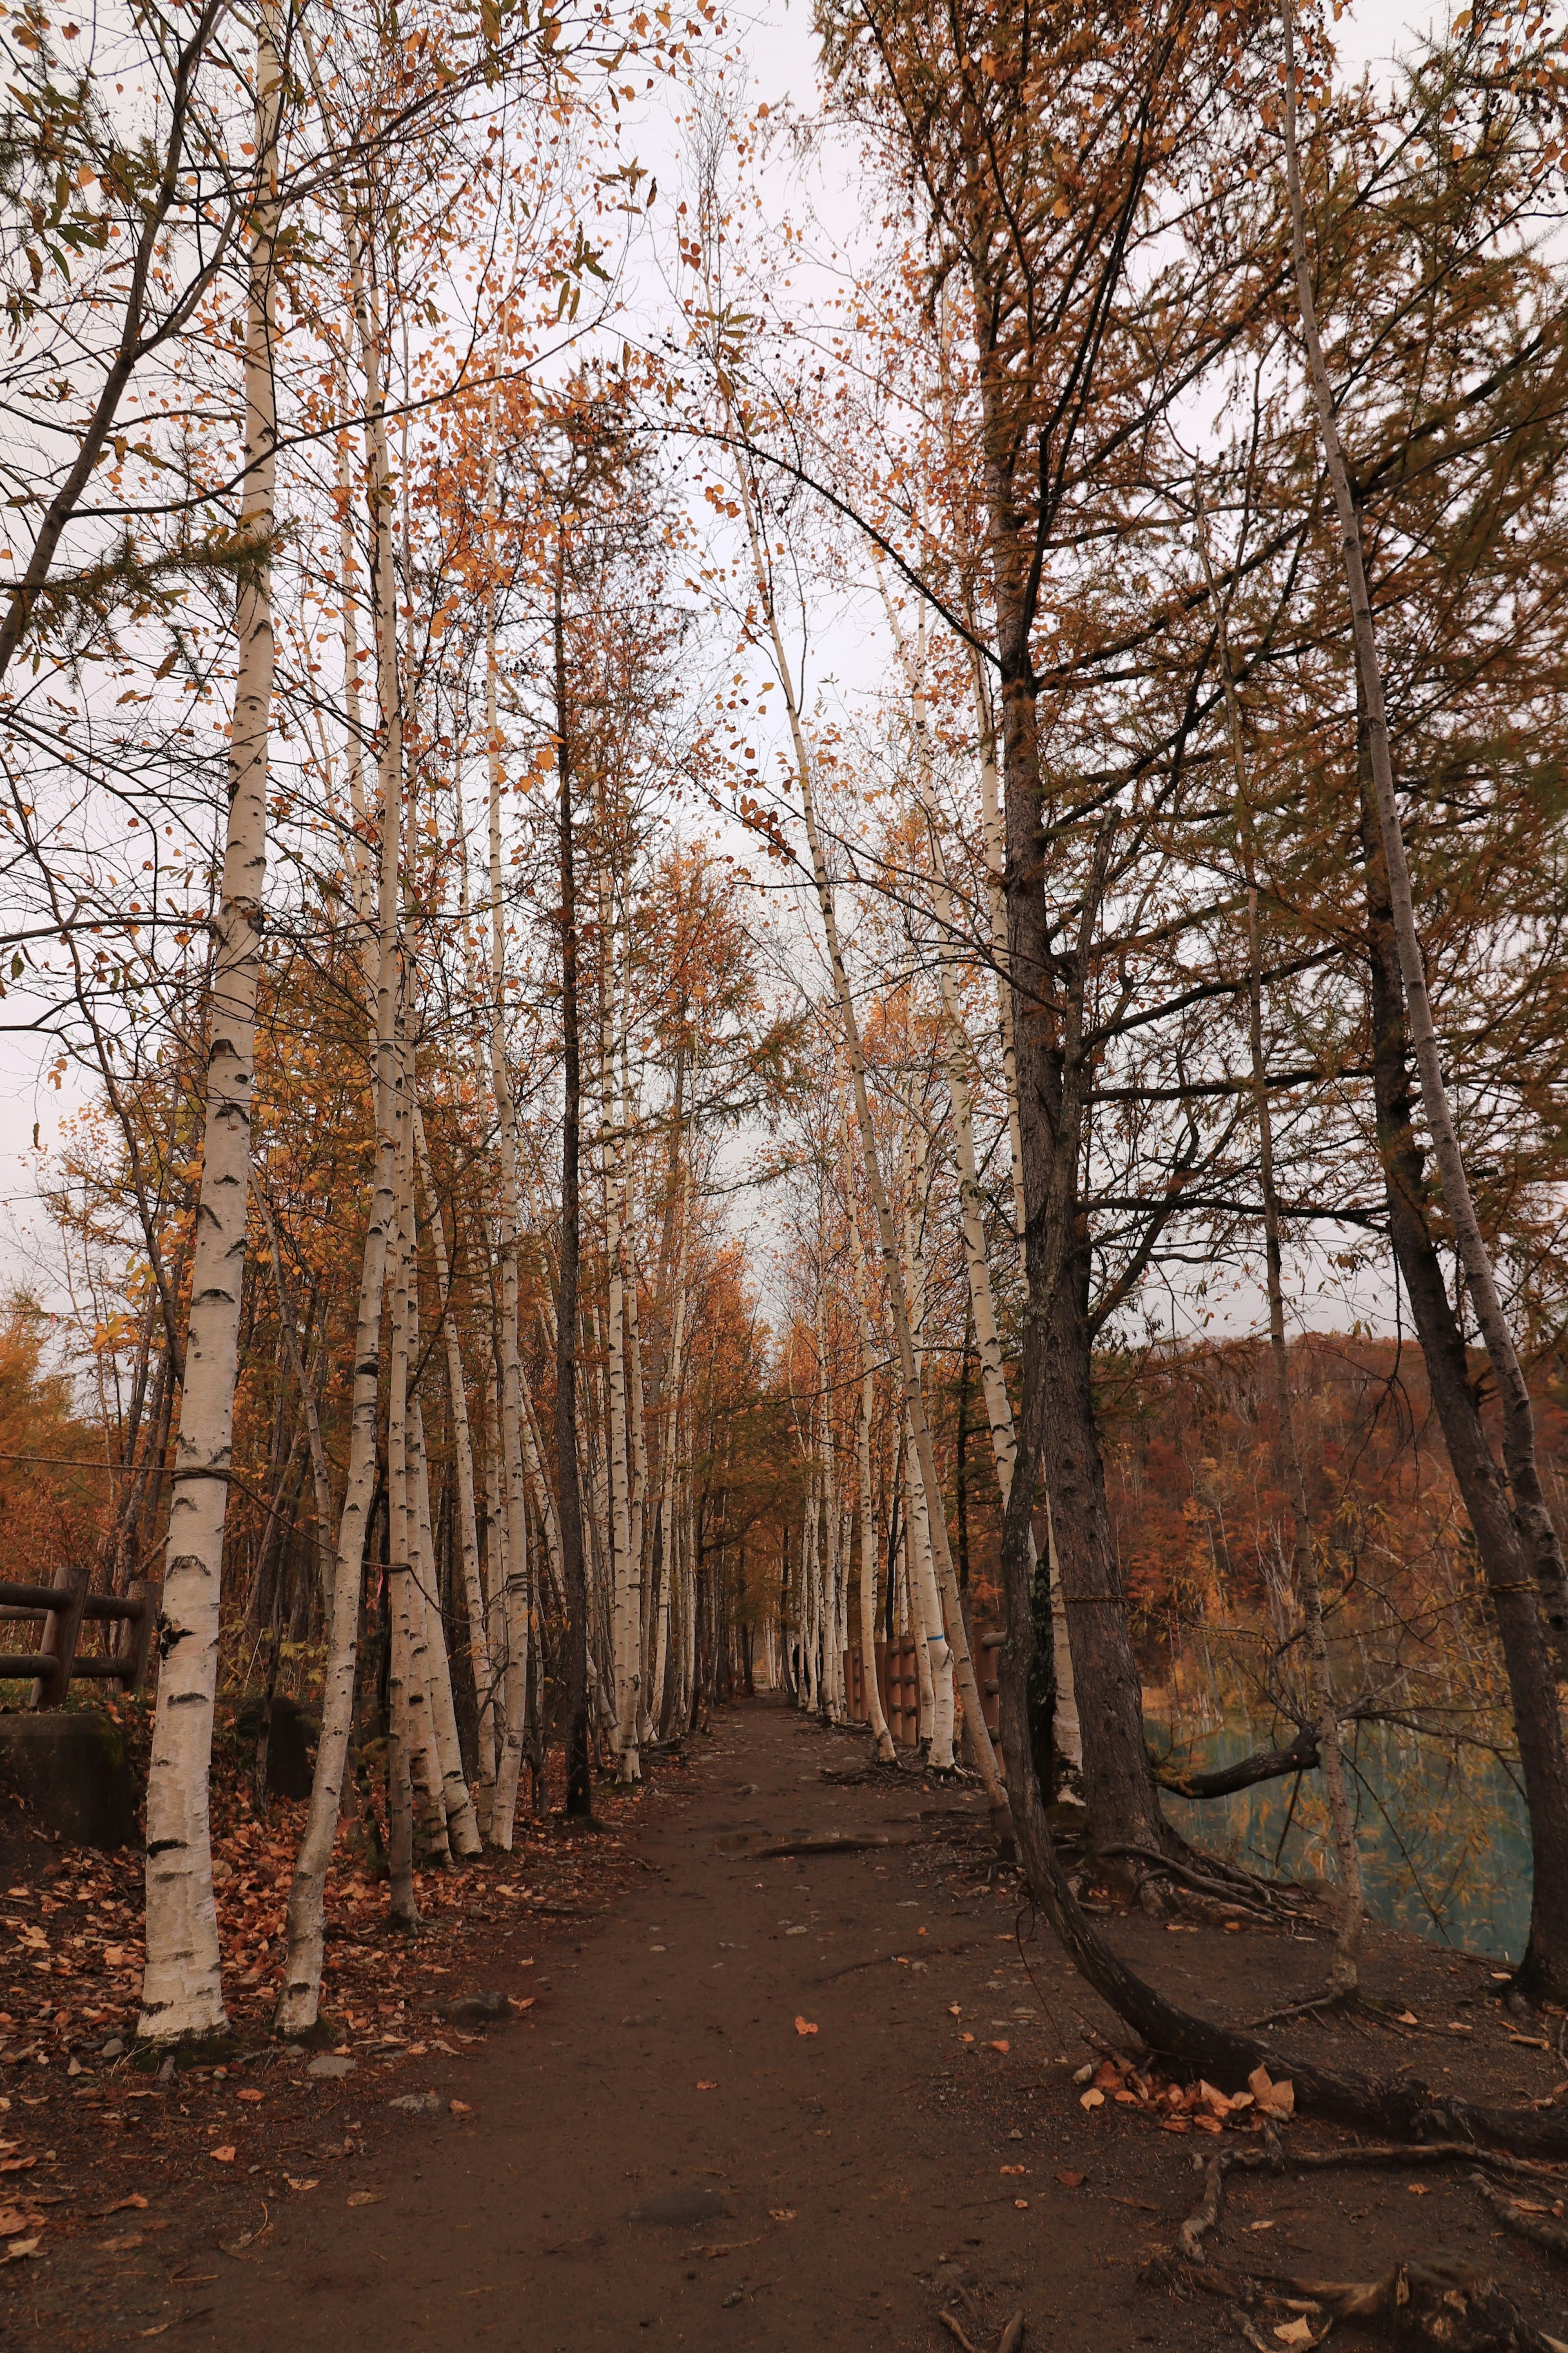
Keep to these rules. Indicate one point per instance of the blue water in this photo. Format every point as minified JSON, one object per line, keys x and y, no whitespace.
{"x":1443,"y":1833}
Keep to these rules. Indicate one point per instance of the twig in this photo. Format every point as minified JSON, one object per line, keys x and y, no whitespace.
{"x":951,"y":2324}
{"x":1012,"y":2337}
{"x":1540,"y":2231}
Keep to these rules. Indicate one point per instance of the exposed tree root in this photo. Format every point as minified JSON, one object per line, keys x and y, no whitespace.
{"x":1541,"y":2229}
{"x":1251,"y":1894}
{"x":1442,"y":2302}
{"x":1276,"y":2159}
{"x":1400,"y":2107}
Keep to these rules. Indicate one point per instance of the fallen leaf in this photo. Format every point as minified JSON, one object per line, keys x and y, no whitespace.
{"x":969,"y":2038}
{"x":781,"y":2213}
{"x":16,"y":2163}
{"x":1260,"y":2226}
{"x":1014,"y":2168}
{"x":1273,"y":2099}
{"x":19,"y":2249}
{"x":460,"y":2108}
{"x":1022,"y":2204}
{"x":1072,"y":2181}
{"x":1419,"y":2189}
{"x":1409,"y":2018}
{"x":804,"y":2026}
{"x":1294,"y":2332}
{"x":221,"y":2155}
{"x":526,"y":2003}
{"x":309,"y":2184}
{"x":119,"y":2246}
{"x":365,"y":2197}
{"x":705,"y":2084}
{"x":1003,"y":2047}
{"x":249,"y":2094}
{"x":954,"y":2011}
{"x":1092,"y":2099}
{"x":134,"y":2197}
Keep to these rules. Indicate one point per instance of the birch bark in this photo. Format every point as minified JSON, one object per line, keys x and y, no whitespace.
{"x":512,"y":1662}
{"x":306,"y":1933}
{"x":882,"y":1736}
{"x":463,"y":1451}
{"x":182,"y":1986}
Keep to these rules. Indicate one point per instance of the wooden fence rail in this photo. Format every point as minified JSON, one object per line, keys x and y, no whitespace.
{"x":62,"y":1609}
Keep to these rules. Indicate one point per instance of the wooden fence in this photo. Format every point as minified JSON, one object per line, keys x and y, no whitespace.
{"x":62,"y":1609}
{"x":897,"y":1682}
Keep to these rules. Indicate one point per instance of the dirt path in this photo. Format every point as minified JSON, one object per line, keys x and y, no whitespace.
{"x":657,"y":2156}
{"x":654,"y":2154}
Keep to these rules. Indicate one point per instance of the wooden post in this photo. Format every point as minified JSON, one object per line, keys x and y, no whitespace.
{"x":136,"y":1642}
{"x":60,"y":1637}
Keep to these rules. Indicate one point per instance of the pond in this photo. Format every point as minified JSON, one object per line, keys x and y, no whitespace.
{"x":1443,"y":1833}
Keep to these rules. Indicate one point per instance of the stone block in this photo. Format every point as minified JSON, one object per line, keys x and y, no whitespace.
{"x":70,"y":1767}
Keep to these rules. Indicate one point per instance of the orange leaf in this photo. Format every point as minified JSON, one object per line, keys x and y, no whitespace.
{"x":703,"y":2086}
{"x":1072,"y":2181}
{"x":1092,"y":2099}
{"x":1003,"y":2047}
{"x":221,"y":2155}
{"x":804,"y":2026}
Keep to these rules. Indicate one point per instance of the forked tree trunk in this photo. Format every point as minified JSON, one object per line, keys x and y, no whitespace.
{"x":182,"y":1988}
{"x":1538,"y":1717}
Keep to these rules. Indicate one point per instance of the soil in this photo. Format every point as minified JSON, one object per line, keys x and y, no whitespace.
{"x":752,"y":2091}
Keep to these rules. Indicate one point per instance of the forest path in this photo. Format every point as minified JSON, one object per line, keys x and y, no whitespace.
{"x":659,"y":2157}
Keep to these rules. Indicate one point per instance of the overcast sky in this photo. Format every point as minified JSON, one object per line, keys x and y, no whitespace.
{"x":781,"y":51}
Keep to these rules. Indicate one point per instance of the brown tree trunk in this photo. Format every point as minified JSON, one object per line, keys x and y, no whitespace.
{"x":1505,"y":1564}
{"x":1057,"y":1407}
{"x":1119,"y":1786}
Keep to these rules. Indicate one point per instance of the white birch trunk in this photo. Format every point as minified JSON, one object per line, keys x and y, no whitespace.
{"x":512,"y":1661}
{"x":881,"y":1734}
{"x":463,"y":1452}
{"x":462,"y":1822}
{"x":182,"y":1986}
{"x":306,"y":1937}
